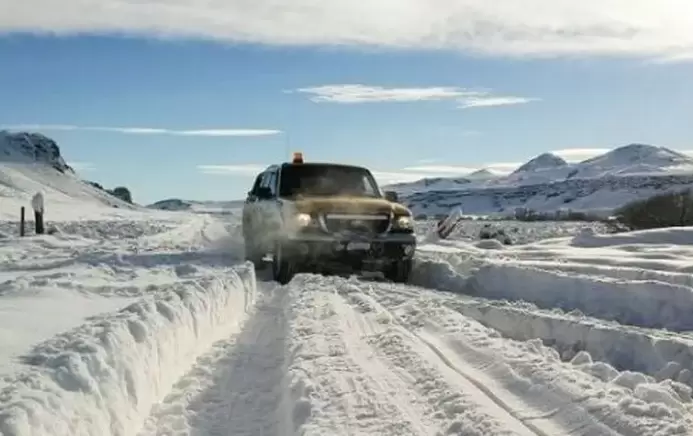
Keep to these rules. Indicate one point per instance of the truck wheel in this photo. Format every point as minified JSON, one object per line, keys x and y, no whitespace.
{"x":282,"y":266}
{"x":399,"y":271}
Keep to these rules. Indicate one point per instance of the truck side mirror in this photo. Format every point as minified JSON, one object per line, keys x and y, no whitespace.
{"x":391,"y":196}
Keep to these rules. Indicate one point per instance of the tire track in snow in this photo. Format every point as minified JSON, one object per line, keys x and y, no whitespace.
{"x":350,"y":392}
{"x":659,"y":354}
{"x":360,"y":362}
{"x":239,"y":387}
{"x":532,"y":378}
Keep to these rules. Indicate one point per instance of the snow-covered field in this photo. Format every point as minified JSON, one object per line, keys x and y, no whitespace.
{"x":519,"y":232}
{"x":150,"y":323}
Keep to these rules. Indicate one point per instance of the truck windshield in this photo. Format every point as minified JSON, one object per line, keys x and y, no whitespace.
{"x":321,"y":180}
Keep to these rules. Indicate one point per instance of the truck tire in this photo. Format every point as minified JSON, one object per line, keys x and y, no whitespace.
{"x":399,"y":271}
{"x":283,"y":269}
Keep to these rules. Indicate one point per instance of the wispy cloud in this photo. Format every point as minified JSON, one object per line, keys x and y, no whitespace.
{"x":425,"y":168}
{"x":145,"y":130}
{"x":232,"y":170}
{"x":454,"y":170}
{"x":490,"y":101}
{"x":390,"y":177}
{"x":441,"y":169}
{"x":579,"y":154}
{"x":502,"y":27}
{"x":82,"y":166}
{"x":356,"y":93}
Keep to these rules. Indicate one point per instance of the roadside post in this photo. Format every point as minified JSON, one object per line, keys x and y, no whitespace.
{"x":37,"y":205}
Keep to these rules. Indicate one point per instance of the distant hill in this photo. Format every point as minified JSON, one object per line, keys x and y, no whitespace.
{"x":31,"y":163}
{"x":176,"y":204}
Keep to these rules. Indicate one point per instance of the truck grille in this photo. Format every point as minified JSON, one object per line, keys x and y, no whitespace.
{"x":360,"y":224}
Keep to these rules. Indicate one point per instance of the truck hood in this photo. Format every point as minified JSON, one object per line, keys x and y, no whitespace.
{"x":355,"y":205}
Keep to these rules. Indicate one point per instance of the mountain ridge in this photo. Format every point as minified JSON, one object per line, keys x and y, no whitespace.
{"x":603,"y":183}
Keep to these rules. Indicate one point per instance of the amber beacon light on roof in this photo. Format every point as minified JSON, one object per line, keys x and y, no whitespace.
{"x":298,"y":157}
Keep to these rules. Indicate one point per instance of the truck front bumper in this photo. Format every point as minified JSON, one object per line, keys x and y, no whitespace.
{"x":319,"y":253}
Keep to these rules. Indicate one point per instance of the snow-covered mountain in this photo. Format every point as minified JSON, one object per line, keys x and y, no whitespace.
{"x":543,"y":162}
{"x":549,"y":183}
{"x":31,"y":163}
{"x":483,"y":174}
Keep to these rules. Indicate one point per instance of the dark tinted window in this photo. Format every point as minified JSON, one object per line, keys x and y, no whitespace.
{"x":256,"y":185}
{"x":318,"y":180}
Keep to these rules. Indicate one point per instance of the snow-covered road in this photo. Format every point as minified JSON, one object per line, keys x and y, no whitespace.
{"x":172,"y":334}
{"x":339,"y":356}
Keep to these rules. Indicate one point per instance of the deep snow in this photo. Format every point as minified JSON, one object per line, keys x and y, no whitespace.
{"x":150,"y":323}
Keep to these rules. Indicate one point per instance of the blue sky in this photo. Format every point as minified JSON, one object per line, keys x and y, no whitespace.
{"x":195,"y":114}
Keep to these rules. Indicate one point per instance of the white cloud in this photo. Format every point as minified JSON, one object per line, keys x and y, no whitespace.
{"x":232,"y":170}
{"x":389,"y":177}
{"x":82,"y":166}
{"x":356,"y":93}
{"x":659,"y":28}
{"x":580,"y":154}
{"x":454,"y":170}
{"x":441,"y":169}
{"x":489,"y":101}
{"x":147,"y":130}
{"x":425,"y":168}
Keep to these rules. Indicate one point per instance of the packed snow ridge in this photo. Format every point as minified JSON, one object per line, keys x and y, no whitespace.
{"x":547,"y":184}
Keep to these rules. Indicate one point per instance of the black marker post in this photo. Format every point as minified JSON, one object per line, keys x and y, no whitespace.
{"x":37,"y":205}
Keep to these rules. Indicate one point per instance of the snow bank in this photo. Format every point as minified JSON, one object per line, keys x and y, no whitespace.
{"x":636,"y":278}
{"x":617,"y":271}
{"x":665,"y":237}
{"x":657,"y":354}
{"x":103,"y":377}
{"x":591,"y":293}
{"x":526,"y":378}
{"x":645,"y":303}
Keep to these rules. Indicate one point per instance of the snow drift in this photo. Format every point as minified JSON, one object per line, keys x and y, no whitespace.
{"x":103,"y":377}
{"x":624,"y":298}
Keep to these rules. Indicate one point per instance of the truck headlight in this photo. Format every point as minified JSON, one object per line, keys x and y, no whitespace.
{"x":303,"y":219}
{"x":404,"y":223}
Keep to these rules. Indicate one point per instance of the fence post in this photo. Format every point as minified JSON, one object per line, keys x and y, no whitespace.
{"x":37,"y":205}
{"x":21,"y":222}
{"x":38,"y":216}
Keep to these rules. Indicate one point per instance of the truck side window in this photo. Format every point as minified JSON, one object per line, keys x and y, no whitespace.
{"x":267,"y":182}
{"x":256,"y":185}
{"x":273,"y":183}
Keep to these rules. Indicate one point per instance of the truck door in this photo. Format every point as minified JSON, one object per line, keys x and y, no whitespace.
{"x":268,"y":216}
{"x":250,"y":208}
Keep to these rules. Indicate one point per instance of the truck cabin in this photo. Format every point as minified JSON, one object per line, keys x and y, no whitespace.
{"x":326,"y":179}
